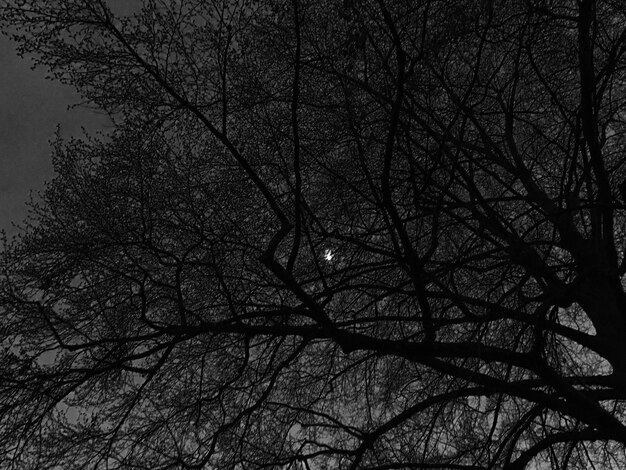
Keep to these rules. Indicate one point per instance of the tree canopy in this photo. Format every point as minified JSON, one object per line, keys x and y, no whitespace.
{"x":361,"y":234}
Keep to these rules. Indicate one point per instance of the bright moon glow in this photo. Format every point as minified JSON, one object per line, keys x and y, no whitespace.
{"x":328,"y":255}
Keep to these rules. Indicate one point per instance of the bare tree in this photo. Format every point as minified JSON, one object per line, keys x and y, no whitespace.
{"x":358,"y":234}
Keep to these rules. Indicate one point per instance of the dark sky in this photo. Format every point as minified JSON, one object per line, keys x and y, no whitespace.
{"x":30,"y":110}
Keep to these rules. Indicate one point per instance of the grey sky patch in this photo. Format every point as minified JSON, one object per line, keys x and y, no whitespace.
{"x":31,"y":108}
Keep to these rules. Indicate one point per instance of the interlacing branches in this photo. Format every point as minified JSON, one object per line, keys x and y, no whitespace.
{"x":358,"y":234}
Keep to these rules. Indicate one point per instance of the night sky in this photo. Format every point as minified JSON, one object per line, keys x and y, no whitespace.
{"x":31,"y":107}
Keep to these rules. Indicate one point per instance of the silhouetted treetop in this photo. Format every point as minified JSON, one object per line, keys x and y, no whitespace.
{"x":324,"y":234}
